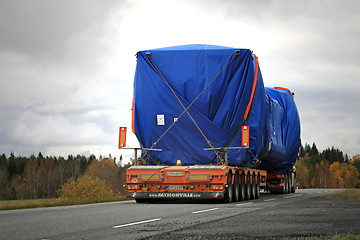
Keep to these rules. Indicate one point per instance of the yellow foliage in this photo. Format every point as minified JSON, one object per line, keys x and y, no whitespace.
{"x":323,"y":175}
{"x":107,"y":170}
{"x":303,"y":174}
{"x":335,"y":180}
{"x":86,"y":188}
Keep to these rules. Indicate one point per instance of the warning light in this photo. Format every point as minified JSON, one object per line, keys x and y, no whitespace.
{"x":122,"y":137}
{"x":178,"y":162}
{"x":245,"y":136}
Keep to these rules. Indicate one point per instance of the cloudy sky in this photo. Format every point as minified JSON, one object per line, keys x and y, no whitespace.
{"x":67,"y":67}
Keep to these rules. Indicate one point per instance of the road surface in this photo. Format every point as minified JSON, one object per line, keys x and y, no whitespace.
{"x":272,"y":216}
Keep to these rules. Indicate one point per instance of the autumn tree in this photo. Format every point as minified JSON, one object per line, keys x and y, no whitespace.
{"x":3,"y":184}
{"x":302,"y":173}
{"x":86,"y":188}
{"x":106,"y":169}
{"x":321,"y":175}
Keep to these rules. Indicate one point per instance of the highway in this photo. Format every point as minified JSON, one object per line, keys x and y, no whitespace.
{"x":273,"y":215}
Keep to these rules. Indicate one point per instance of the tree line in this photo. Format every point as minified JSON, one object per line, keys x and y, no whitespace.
{"x":42,"y":177}
{"x":327,"y":169}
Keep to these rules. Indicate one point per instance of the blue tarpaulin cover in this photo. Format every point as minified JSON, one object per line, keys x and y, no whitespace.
{"x":220,"y":111}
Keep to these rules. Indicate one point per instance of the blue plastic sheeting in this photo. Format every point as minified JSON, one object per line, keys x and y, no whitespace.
{"x":219,"y":111}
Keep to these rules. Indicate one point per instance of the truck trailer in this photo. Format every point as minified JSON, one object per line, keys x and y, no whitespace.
{"x":208,"y":128}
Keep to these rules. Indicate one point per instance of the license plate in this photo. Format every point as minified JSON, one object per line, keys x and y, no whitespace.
{"x":175,"y":187}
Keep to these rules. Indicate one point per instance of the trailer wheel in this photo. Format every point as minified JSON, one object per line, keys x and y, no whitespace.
{"x":293,"y":183}
{"x":253,"y":187}
{"x":257,"y":193}
{"x":248,"y":187}
{"x":236,"y":188}
{"x":242,"y":188}
{"x":289,"y":183}
{"x":286,"y":185}
{"x":283,"y":190}
{"x":229,"y":190}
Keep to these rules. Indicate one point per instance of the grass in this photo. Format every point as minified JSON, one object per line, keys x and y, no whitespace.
{"x":51,"y":202}
{"x":348,"y":194}
{"x":348,"y":236}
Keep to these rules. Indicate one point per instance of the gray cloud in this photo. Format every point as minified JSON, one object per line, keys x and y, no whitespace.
{"x":54,"y":91}
{"x":47,"y":29}
{"x":66,"y":67}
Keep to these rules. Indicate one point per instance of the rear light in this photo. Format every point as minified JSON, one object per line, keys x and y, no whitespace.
{"x":150,"y":177}
{"x":217,"y":187}
{"x":198,"y":177}
{"x":133,"y":187}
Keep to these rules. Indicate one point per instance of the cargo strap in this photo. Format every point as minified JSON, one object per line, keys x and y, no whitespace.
{"x":252,"y":91}
{"x":218,"y":155}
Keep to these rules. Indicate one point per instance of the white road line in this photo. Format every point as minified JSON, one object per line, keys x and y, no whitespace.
{"x":293,"y":196}
{"x":206,"y":210}
{"x":136,"y":223}
{"x":267,"y":200}
{"x":242,"y":204}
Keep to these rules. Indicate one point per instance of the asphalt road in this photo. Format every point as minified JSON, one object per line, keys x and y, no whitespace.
{"x":270,"y":217}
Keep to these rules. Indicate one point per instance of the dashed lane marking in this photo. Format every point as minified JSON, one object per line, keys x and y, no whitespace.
{"x":136,"y":223}
{"x":206,"y":210}
{"x":267,"y":200}
{"x":242,"y":204}
{"x":293,"y":196}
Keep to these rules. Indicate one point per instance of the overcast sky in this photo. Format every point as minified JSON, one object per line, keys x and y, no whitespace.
{"x":67,"y":67}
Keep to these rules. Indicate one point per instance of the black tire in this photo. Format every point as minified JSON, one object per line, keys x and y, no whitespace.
{"x":253,"y":187}
{"x":236,"y":187}
{"x":289,"y":183}
{"x":286,"y":184}
{"x":229,"y":190}
{"x":248,"y":187}
{"x":283,"y":190}
{"x":257,"y":193}
{"x":242,"y":188}
{"x":293,"y":185}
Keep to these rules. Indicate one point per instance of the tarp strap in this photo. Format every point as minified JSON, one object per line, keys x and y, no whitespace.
{"x":218,"y":156}
{"x":286,"y":89}
{"x":252,"y":91}
{"x":132,"y":116}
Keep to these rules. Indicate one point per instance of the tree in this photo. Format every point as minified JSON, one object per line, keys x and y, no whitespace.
{"x":350,"y":175}
{"x":302,"y":173}
{"x":333,"y":155}
{"x":4,"y":179}
{"x":86,"y":188}
{"x":321,"y":176}
{"x":335,"y":180}
{"x":314,"y":151}
{"x":355,"y":161}
{"x":106,"y":169}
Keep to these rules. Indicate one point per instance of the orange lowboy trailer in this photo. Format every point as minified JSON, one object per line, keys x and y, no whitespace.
{"x":149,"y":183}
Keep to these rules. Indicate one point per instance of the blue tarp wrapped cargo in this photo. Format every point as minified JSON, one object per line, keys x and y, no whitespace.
{"x":222,"y":90}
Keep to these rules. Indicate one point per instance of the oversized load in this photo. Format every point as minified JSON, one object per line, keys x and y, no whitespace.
{"x":189,"y":99}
